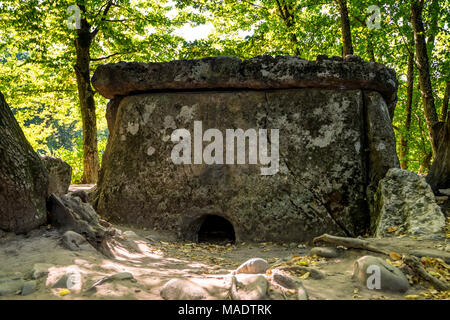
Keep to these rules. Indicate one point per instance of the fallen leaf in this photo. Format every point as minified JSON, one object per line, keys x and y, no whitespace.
{"x":412,"y":297}
{"x":395,"y":256}
{"x":392,"y":229}
{"x":305,"y":276}
{"x":64,"y":292}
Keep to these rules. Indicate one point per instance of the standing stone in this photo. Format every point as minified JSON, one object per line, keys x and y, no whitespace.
{"x":23,"y":178}
{"x":381,"y":147}
{"x":320,"y":107}
{"x":59,"y":173}
{"x":405,"y":204}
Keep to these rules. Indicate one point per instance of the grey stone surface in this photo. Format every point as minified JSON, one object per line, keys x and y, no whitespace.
{"x":326,"y":252}
{"x":254,"y":265}
{"x":264,"y":72}
{"x":76,"y":242}
{"x":10,"y":286}
{"x":181,"y":289}
{"x":324,"y":167}
{"x":380,"y":141}
{"x":59,"y":173}
{"x":391,"y":278}
{"x":251,"y":287}
{"x":29,"y":287}
{"x":405,"y":201}
{"x":62,"y":282}
{"x":23,"y":178}
{"x":40,"y":270}
{"x":69,"y":213}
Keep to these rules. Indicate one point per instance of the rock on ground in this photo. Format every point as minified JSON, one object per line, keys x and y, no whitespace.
{"x":326,"y":252}
{"x":75,"y":242}
{"x":40,"y":270}
{"x":59,"y":174}
{"x":181,"y":289}
{"x":390,"y":278}
{"x":29,"y":287}
{"x":320,"y":181}
{"x":250,"y":287}
{"x":255,"y":265}
{"x":71,"y":213}
{"x":10,"y":286}
{"x":23,"y":178}
{"x":405,"y":204}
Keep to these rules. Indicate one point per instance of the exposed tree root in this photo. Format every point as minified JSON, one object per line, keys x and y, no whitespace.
{"x":349,"y":243}
{"x":411,"y":261}
{"x":416,"y":265}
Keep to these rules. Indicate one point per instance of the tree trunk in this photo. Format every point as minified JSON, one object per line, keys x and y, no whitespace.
{"x":345,"y":26}
{"x":424,"y":73}
{"x":439,"y":176}
{"x":444,"y":112}
{"x":286,"y":13}
{"x":409,"y":97}
{"x":87,"y":103}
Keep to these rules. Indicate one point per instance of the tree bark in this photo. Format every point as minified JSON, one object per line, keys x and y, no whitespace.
{"x":286,"y":14}
{"x":409,"y":98}
{"x":424,"y":73}
{"x":87,"y":103}
{"x":439,"y":176}
{"x":444,"y":112}
{"x":347,"y":46}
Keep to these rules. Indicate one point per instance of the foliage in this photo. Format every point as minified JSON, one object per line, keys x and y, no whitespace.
{"x":37,"y":52}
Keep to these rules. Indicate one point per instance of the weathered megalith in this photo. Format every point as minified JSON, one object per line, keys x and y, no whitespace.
{"x":405,"y":204}
{"x":335,"y":140}
{"x":59,"y":175}
{"x":23,"y":178}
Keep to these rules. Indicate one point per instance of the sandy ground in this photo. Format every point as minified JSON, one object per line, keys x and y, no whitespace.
{"x":153,"y":263}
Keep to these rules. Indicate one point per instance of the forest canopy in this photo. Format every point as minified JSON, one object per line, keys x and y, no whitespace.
{"x":47,"y":60}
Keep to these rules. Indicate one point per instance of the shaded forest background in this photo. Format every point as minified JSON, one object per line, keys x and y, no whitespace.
{"x":45,"y":66}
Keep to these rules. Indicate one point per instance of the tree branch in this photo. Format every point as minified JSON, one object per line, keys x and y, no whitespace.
{"x":104,"y":14}
{"x":110,"y":56}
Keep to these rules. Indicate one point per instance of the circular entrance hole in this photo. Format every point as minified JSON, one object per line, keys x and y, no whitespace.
{"x":217,"y":230}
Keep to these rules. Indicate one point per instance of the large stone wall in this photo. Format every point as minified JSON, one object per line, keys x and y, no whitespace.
{"x":335,"y":143}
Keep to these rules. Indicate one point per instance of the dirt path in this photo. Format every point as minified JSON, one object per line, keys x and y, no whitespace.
{"x":153,"y":262}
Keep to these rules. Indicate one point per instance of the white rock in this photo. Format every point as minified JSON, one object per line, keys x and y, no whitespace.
{"x":405,"y":202}
{"x":253,"y":266}
{"x":390,"y":278}
{"x":181,"y":289}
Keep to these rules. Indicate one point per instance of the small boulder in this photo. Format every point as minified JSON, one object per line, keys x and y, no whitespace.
{"x":325,"y":252}
{"x":59,"y":174}
{"x":405,"y":204}
{"x":76,"y":242}
{"x":253,"y":266}
{"x":29,"y":287}
{"x":70,"y":213}
{"x":10,"y":286}
{"x":181,"y":289}
{"x":251,"y":287}
{"x":130,"y":235}
{"x":390,"y":277}
{"x":40,"y":270}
